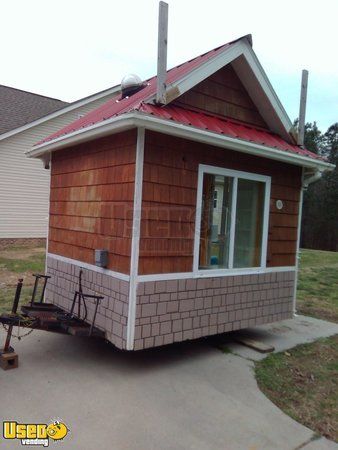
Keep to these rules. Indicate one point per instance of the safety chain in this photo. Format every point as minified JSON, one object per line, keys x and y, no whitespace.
{"x":18,"y":336}
{"x":28,"y":322}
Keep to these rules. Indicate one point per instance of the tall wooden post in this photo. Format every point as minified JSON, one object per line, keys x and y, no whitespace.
{"x":302,"y":108}
{"x":162,"y":53}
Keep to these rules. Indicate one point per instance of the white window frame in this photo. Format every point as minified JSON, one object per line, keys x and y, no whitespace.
{"x":235,"y":174}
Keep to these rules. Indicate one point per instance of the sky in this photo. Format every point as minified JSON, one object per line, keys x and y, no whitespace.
{"x":69,"y":49}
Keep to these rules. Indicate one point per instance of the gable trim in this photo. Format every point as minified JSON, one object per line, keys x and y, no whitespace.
{"x":266,"y":85}
{"x":176,"y":89}
{"x":231,"y":55}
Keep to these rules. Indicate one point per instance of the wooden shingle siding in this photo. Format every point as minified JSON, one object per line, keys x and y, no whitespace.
{"x":223,"y":94}
{"x":91,"y":200}
{"x":169,"y":202}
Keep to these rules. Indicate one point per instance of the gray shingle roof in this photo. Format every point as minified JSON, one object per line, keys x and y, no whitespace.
{"x":18,"y":108}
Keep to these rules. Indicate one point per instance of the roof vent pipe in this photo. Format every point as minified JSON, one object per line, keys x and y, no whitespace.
{"x":130,"y":84}
{"x":302,"y":108}
{"x":162,"y":54}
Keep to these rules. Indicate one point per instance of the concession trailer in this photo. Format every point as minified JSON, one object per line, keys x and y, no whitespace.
{"x":179,"y":203}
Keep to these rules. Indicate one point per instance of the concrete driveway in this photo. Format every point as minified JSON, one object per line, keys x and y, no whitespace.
{"x":187,"y":396}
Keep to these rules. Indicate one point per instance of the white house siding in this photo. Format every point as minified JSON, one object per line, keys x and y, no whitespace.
{"x":24,"y":183}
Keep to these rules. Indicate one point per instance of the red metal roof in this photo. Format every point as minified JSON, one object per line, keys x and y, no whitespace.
{"x":117,"y":106}
{"x":227,"y":127}
{"x":138,"y":102}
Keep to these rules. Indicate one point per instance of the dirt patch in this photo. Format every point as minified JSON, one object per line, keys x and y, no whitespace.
{"x":22,"y":242}
{"x":10,"y":279}
{"x":20,"y":263}
{"x":315,"y":309}
{"x":22,"y":252}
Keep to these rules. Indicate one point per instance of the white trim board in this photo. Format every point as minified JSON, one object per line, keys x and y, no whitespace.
{"x":170,"y":276}
{"x":212,"y":274}
{"x":74,"y":105}
{"x":83,"y":265}
{"x":262,"y":93}
{"x":48,"y":219}
{"x":149,"y":122}
{"x":135,"y":244}
{"x":299,"y":226}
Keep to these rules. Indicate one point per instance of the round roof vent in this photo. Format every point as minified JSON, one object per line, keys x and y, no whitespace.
{"x":130,"y":84}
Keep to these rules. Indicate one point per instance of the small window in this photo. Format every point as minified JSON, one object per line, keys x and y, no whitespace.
{"x":233,"y":219}
{"x":215,"y":199}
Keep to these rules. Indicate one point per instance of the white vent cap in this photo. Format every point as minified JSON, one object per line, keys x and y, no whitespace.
{"x":130,"y":80}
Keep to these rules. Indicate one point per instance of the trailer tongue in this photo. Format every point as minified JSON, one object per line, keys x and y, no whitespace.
{"x":47,"y":317}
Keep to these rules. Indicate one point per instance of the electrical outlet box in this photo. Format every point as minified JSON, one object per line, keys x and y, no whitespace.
{"x":101,"y":258}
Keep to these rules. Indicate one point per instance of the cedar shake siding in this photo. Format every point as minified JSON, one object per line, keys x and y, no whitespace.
{"x":91,"y":206}
{"x":91,"y":200}
{"x":222,"y":94}
{"x":169,"y":202}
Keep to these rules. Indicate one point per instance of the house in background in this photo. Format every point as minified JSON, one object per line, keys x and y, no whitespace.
{"x":24,"y":184}
{"x":194,"y":203}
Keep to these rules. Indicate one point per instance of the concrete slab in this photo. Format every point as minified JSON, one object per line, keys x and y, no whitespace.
{"x":186,"y":396}
{"x":283,"y":335}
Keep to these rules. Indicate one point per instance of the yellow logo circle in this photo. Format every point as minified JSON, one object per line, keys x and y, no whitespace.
{"x":57,"y":430}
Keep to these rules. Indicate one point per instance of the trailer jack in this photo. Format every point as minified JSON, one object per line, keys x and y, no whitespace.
{"x":47,"y":317}
{"x":8,"y":358}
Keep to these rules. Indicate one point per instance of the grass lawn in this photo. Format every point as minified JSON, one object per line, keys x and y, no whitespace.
{"x":303,"y":382}
{"x":19,"y":262}
{"x":317,"y":293}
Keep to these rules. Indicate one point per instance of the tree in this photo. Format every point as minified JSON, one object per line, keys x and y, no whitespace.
{"x":313,"y":138}
{"x":330,"y":143}
{"x":320,"y":208}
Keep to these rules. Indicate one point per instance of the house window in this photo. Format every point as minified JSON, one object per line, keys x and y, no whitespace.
{"x":232,"y":219}
{"x":215,"y":199}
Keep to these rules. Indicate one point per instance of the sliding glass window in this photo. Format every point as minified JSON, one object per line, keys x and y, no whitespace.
{"x":233,"y":210}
